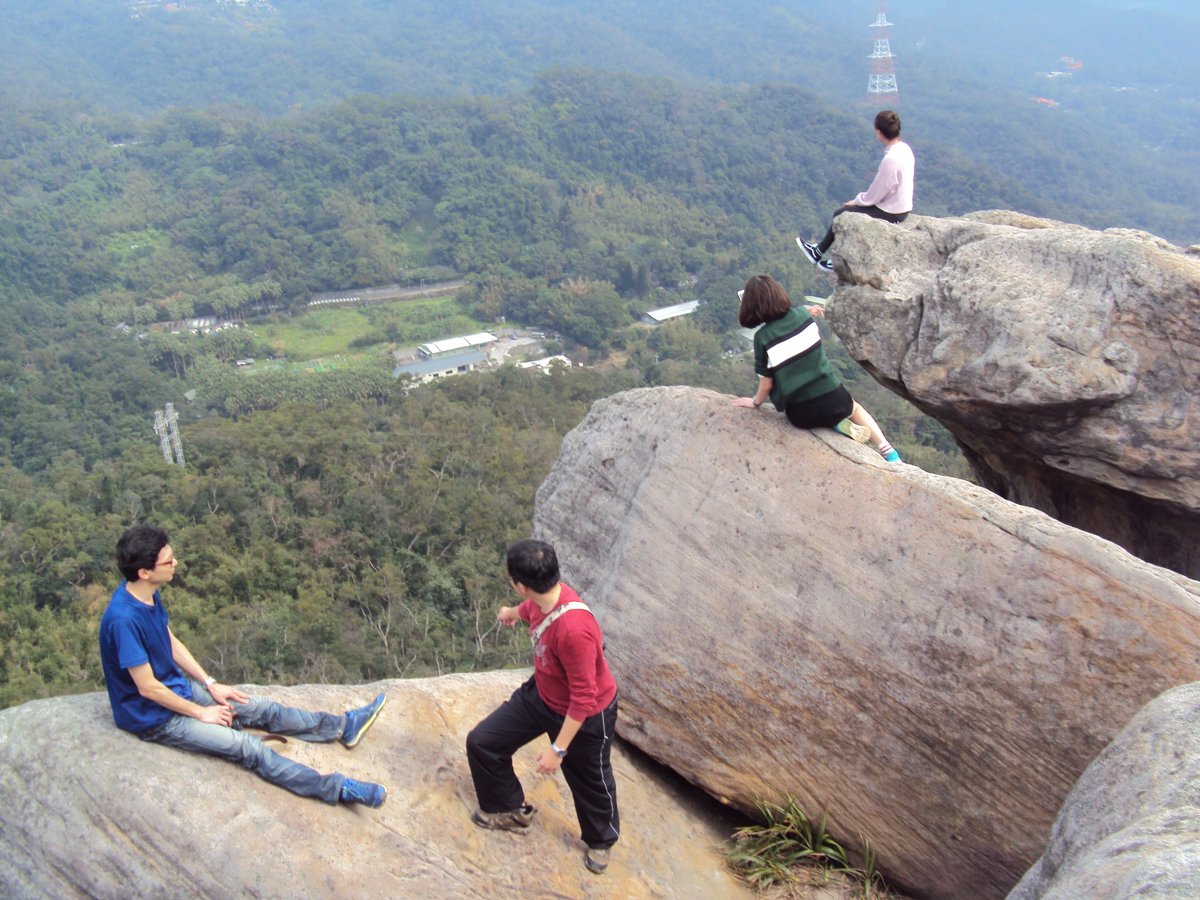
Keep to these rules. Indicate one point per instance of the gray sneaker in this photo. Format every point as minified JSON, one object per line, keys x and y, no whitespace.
{"x":596,"y":860}
{"x":517,"y":820}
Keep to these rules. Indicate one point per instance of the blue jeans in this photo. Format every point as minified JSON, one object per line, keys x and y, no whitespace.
{"x":235,"y":745}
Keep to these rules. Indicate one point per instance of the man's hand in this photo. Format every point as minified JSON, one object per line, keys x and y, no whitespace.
{"x":548,"y":762}
{"x":216,"y":715}
{"x":223,"y":693}
{"x":508,"y":616}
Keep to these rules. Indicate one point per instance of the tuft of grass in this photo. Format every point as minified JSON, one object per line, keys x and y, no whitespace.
{"x":789,"y":847}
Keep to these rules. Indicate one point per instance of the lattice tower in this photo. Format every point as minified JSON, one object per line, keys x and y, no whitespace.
{"x":166,"y":426}
{"x":160,"y":428}
{"x":881,"y":83}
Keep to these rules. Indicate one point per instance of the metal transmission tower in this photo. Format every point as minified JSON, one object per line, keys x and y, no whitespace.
{"x":881,"y":83}
{"x":160,"y":428}
{"x":166,"y":426}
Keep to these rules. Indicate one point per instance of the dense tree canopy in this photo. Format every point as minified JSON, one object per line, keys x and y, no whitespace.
{"x":336,"y":524}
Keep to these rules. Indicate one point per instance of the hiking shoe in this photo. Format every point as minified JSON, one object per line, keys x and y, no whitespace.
{"x":359,"y":720}
{"x":826,"y":265}
{"x":892,"y":456}
{"x":810,"y":250}
{"x":517,"y":820}
{"x":854,"y":431}
{"x":595,"y":859}
{"x":365,"y":792}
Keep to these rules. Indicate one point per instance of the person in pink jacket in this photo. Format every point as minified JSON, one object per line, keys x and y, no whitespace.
{"x":890,"y":196}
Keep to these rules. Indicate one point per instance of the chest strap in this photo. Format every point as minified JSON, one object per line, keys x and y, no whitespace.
{"x":536,"y":633}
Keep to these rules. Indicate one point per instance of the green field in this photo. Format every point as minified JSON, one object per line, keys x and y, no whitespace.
{"x":334,"y":331}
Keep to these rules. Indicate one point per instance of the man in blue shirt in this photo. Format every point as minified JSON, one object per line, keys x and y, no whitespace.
{"x":160,"y":693}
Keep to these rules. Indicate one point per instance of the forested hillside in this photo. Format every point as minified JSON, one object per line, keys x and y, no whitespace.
{"x":309,"y":497}
{"x":344,"y":544}
{"x":335,"y":524}
{"x":1117,"y":148}
{"x":577,"y":205}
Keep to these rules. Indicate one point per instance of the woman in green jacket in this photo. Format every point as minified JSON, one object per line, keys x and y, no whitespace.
{"x":794,"y":371}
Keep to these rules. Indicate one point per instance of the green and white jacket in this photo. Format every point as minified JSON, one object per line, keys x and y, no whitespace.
{"x":789,"y":351}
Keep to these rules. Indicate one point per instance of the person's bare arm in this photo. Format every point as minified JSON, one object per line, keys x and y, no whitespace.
{"x":222,"y":693}
{"x":157,"y":692}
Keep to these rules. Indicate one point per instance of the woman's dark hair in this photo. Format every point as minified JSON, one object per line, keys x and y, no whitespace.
{"x":887,"y":123}
{"x":533,"y":564}
{"x":763,"y":300}
{"x":138,"y":549}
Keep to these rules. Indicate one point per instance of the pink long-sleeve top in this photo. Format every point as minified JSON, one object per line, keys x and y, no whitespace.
{"x":892,"y":189}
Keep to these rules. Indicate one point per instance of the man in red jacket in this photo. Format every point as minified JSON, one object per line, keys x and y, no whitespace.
{"x":571,"y":699}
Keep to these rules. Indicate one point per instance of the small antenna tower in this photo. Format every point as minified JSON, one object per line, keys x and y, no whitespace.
{"x":881,"y":83}
{"x":166,"y":426}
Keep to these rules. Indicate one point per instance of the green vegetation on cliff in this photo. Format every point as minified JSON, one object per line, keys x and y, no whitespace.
{"x":334,"y":525}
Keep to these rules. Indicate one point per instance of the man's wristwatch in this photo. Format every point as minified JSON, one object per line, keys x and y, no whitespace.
{"x":558,"y":751}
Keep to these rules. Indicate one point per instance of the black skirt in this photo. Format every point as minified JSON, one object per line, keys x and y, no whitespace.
{"x":824,"y":411}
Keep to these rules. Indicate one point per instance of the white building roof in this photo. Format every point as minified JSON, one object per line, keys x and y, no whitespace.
{"x":545,"y":362}
{"x":671,"y":312}
{"x":457,"y":344}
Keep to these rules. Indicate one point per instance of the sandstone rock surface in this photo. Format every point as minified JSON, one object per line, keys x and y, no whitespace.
{"x":788,"y":614}
{"x":1065,"y":361}
{"x":87,"y":810}
{"x":1131,"y":825}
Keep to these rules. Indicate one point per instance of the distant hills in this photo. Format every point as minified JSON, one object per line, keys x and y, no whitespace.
{"x":967,"y":79}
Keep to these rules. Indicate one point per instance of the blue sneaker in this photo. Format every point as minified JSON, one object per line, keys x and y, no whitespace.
{"x":359,"y":720}
{"x":891,"y":456}
{"x":368,"y":793}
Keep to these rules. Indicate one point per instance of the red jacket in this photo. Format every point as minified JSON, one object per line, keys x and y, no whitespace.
{"x":569,"y":668}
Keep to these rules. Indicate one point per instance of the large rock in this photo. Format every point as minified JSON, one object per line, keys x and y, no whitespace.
{"x":87,"y":810}
{"x":788,"y":614}
{"x":1065,"y":361}
{"x":1131,"y":825}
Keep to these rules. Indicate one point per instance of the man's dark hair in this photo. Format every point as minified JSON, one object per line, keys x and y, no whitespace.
{"x":138,"y":548}
{"x":763,"y":300}
{"x":887,"y":123}
{"x":533,"y":564}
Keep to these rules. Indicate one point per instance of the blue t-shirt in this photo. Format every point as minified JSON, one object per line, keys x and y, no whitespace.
{"x":132,"y":633}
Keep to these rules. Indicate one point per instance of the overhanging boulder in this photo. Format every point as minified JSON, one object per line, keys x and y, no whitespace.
{"x":1065,"y":361}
